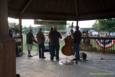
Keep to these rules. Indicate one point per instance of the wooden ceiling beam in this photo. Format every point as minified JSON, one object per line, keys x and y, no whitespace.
{"x":25,"y":7}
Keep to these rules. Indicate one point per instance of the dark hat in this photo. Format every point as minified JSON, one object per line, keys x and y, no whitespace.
{"x":77,"y":27}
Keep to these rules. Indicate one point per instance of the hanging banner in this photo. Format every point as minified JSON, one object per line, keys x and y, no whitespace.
{"x":108,"y":43}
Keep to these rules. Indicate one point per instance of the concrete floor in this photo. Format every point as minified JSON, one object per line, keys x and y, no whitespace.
{"x":94,"y":67}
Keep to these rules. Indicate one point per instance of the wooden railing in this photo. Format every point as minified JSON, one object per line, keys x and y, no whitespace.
{"x":100,"y":44}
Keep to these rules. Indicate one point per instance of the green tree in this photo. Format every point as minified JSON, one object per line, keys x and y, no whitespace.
{"x":25,"y":30}
{"x":105,"y":25}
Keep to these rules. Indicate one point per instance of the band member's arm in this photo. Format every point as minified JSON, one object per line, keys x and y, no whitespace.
{"x":60,"y":36}
{"x":79,"y":37}
{"x":49,"y":35}
{"x":27,"y":38}
{"x":34,"y":39}
{"x":43,"y":37}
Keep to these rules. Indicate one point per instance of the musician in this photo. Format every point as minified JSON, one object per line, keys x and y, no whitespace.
{"x":72,"y":31}
{"x":54,"y":42}
{"x":86,"y":41}
{"x":77,"y":39}
{"x":30,"y":39}
{"x":41,"y":39}
{"x":50,"y":43}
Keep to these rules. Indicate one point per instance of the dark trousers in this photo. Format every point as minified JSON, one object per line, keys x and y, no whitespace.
{"x":77,"y":50}
{"x":41,"y":50}
{"x":54,"y":51}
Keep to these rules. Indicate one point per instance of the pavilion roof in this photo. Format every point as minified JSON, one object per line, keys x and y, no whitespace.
{"x":61,"y":9}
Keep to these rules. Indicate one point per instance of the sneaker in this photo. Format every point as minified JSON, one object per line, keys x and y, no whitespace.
{"x":17,"y":75}
{"x":74,"y":59}
{"x":76,"y":62}
{"x":30,"y":56}
{"x":51,"y":59}
{"x":57,"y":59}
{"x":43,"y":57}
{"x":79,"y":60}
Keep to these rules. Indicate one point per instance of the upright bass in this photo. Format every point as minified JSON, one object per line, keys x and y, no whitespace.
{"x":67,"y":49}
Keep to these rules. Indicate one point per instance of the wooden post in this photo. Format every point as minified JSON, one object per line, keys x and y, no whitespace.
{"x":7,"y":45}
{"x":21,"y":35}
{"x":77,"y":24}
{"x":3,"y":18}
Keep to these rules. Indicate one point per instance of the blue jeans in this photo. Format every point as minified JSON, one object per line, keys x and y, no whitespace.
{"x":77,"y":50}
{"x":54,"y":51}
{"x":41,"y":50}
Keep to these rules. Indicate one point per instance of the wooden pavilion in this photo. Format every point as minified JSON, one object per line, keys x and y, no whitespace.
{"x":44,"y":9}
